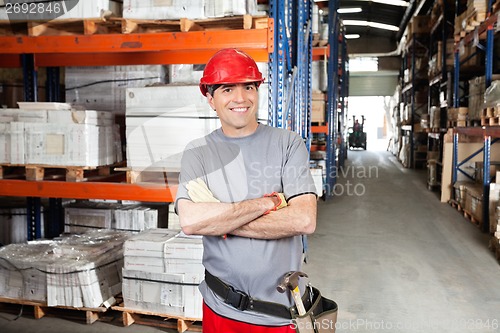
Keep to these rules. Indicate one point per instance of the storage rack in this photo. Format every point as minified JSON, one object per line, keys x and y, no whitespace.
{"x":336,"y":111}
{"x":490,"y":134}
{"x":285,"y":43}
{"x":415,"y":49}
{"x":439,"y":86}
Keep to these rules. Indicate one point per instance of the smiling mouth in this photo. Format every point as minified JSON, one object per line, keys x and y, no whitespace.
{"x":239,"y":109}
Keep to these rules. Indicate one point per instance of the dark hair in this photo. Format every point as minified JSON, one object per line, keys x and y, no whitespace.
{"x":214,"y":87}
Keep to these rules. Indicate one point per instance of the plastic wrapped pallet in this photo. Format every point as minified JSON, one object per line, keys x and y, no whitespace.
{"x":74,"y":271}
{"x":162,"y":270}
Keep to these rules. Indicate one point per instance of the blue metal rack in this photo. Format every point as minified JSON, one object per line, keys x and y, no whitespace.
{"x":332,"y":98}
{"x":290,"y":87}
{"x":490,"y":135}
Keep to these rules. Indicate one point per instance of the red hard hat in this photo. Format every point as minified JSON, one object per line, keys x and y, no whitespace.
{"x":229,"y":66}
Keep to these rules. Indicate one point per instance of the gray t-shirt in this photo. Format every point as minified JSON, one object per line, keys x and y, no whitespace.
{"x":237,"y":169}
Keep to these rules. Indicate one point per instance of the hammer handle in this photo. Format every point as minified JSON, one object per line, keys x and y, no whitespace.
{"x":298,"y":301}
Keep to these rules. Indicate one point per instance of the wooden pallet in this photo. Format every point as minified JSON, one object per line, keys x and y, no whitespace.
{"x":35,"y":172}
{"x":467,"y":215}
{"x":40,"y":310}
{"x":114,"y":25}
{"x":148,"y":318}
{"x":149,"y":175}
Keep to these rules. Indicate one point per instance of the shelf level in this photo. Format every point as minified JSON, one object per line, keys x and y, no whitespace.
{"x":149,"y":48}
{"x":493,"y":131}
{"x":88,"y":190}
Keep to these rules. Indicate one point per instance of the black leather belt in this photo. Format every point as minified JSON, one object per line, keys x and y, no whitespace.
{"x":242,"y":301}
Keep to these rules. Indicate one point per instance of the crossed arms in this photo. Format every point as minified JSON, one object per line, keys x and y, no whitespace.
{"x":248,"y":219}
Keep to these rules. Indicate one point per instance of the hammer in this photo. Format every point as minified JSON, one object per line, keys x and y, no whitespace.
{"x":291,"y":282}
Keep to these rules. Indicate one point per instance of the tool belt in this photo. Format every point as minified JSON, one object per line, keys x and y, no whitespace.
{"x":320,"y":316}
{"x":242,"y":301}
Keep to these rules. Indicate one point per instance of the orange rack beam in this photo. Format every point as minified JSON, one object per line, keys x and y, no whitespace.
{"x":148,"y":48}
{"x":320,"y":53}
{"x":88,"y":190}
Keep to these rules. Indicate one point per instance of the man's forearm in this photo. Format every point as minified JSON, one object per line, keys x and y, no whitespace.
{"x":297,"y":219}
{"x":215,"y":219}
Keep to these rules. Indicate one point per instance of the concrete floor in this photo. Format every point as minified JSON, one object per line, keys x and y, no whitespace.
{"x":393,"y":257}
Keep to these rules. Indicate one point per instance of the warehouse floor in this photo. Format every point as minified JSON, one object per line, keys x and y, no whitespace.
{"x":393,"y":257}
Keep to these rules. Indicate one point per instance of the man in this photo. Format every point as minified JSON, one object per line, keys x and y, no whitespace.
{"x":247,"y":189}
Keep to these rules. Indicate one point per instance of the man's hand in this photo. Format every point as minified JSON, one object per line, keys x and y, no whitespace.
{"x":199,"y":192}
{"x":279,"y":199}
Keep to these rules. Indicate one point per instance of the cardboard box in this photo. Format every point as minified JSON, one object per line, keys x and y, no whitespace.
{"x":420,"y":24}
{"x":318,"y":111}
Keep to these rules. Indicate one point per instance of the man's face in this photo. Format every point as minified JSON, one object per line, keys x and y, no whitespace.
{"x":237,"y":107}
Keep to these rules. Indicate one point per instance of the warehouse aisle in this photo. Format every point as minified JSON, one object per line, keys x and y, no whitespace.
{"x":397,"y":260}
{"x":393,"y":257}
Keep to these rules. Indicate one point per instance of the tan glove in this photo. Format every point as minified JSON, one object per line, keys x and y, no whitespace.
{"x":199,"y":192}
{"x":282,"y":201}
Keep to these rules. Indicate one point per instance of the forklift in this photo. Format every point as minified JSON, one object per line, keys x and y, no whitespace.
{"x":357,"y":135}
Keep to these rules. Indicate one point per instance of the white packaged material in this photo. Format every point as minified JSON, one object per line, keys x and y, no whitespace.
{"x":103,"y":88}
{"x":165,"y":293}
{"x":5,"y":143}
{"x":17,"y":143}
{"x":158,"y":116}
{"x":87,"y":9}
{"x":76,"y":271}
{"x":149,"y":243}
{"x":89,"y":117}
{"x":65,"y":144}
{"x":177,"y":9}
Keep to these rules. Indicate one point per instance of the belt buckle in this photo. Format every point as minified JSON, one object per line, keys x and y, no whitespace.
{"x":238,"y":299}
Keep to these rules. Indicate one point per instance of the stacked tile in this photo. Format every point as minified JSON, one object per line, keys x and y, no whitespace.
{"x":189,"y":9}
{"x":75,"y":271}
{"x":104,"y":87}
{"x":54,"y":134}
{"x":161,"y":273}
{"x":83,"y":216}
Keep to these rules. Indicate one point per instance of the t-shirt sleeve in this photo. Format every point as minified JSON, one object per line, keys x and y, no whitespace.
{"x":297,"y":178}
{"x":191,"y":168}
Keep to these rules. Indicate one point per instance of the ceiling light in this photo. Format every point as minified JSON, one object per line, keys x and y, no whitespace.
{"x":349,"y":10}
{"x":352,"y":36}
{"x":371,"y":24}
{"x":400,"y":3}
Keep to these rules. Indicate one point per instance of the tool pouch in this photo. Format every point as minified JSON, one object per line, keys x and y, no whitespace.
{"x":320,"y":318}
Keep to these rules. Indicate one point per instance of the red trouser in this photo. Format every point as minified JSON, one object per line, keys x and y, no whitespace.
{"x":213,"y":323}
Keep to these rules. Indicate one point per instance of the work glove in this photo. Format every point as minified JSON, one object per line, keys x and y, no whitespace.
{"x":282,"y":201}
{"x":199,"y":192}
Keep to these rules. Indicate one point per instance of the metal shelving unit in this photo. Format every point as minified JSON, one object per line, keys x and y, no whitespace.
{"x":439,"y":94}
{"x":285,"y":43}
{"x":336,"y":149}
{"x":490,"y":136}
{"x":417,"y":48}
{"x":484,"y":32}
